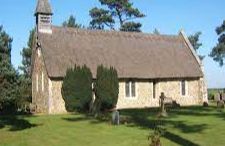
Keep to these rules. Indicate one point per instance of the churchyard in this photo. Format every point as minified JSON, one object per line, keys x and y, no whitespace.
{"x":192,"y":126}
{"x":89,"y":83}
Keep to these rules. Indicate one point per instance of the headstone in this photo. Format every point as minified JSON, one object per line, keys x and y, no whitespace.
{"x":32,"y":108}
{"x":163,"y":112}
{"x":115,"y":117}
{"x":223,"y":96}
{"x":220,"y":104}
{"x":217,"y":97}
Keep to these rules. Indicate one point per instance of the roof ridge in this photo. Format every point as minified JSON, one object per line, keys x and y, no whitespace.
{"x":121,"y":33}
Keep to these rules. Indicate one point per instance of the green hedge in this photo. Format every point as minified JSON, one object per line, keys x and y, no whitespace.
{"x":77,"y":89}
{"x":106,"y":89}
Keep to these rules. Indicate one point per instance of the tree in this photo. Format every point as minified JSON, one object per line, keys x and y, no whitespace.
{"x":106,"y":89}
{"x":71,"y":22}
{"x":26,"y":56}
{"x":77,"y":89}
{"x":121,"y":11}
{"x":8,"y":75}
{"x":156,"y":31}
{"x":25,"y":83}
{"x":194,"y":40}
{"x":218,"y":52}
{"x":23,"y":99}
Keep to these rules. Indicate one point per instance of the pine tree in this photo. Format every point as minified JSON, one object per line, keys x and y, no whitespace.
{"x":8,"y":75}
{"x":26,"y":56}
{"x":218,"y":52}
{"x":156,"y":31}
{"x":71,"y":22}
{"x":121,"y":11}
{"x":194,"y":40}
{"x":25,"y":83}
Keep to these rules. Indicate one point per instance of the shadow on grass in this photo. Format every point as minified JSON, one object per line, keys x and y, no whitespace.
{"x":189,"y":128}
{"x":77,"y":119}
{"x":199,"y":111}
{"x":178,"y":139}
{"x":222,"y":115}
{"x":15,"y":123}
{"x":86,"y":117}
{"x":147,"y":119}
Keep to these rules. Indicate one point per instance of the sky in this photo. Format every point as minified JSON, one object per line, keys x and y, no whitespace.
{"x":168,"y":16}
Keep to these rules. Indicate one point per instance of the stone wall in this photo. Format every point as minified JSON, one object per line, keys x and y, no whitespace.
{"x":144,"y":98}
{"x":171,"y":88}
{"x":204,"y":90}
{"x":39,"y":84}
{"x":47,"y":98}
{"x":56,"y":102}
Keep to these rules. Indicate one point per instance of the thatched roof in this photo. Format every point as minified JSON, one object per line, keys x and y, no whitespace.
{"x":134,"y":55}
{"x":43,"y":7}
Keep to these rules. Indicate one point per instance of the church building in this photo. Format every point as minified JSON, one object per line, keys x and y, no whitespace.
{"x":147,"y":64}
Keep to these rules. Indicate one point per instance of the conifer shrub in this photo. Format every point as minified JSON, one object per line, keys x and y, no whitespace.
{"x":106,"y":89}
{"x":77,"y":89}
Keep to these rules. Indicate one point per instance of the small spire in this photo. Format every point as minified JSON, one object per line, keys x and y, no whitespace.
{"x":43,"y":7}
{"x":43,"y":16}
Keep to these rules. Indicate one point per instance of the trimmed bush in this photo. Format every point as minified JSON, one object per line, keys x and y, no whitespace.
{"x":106,"y":89}
{"x":77,"y":89}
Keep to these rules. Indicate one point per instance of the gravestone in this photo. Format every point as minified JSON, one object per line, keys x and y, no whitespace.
{"x":220,"y":105}
{"x":223,"y":96}
{"x":163,"y":112}
{"x":217,"y":97}
{"x":33,"y":108}
{"x":115,"y":117}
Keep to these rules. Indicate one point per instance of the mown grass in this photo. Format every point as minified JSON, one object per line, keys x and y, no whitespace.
{"x":188,"y":126}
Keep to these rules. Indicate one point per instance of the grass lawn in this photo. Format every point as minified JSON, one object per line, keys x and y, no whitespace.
{"x":186,"y":126}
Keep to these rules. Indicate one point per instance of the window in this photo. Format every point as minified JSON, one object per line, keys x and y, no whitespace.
{"x":127,"y":89}
{"x":42,"y":81}
{"x":130,"y":89}
{"x":45,"y":19}
{"x":183,"y":88}
{"x":154,"y":89}
{"x":133,"y":91}
{"x":37,"y":82}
